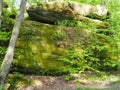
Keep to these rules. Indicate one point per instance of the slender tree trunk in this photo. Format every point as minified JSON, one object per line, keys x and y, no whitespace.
{"x":5,"y":67}
{"x":0,"y":12}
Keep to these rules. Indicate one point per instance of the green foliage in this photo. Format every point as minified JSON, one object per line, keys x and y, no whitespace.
{"x":14,"y":79}
{"x":2,"y":53}
{"x":2,"y":87}
{"x":59,"y":35}
{"x":96,"y":56}
{"x":2,"y":50}
{"x":68,"y":77}
{"x":4,"y":36}
{"x":102,"y":51}
{"x":71,"y":23}
{"x":99,"y":56}
{"x":114,"y":21}
{"x":5,"y":32}
{"x":8,"y":14}
{"x":94,"y":2}
{"x":90,"y":89}
{"x":74,"y":23}
{"x":73,"y":59}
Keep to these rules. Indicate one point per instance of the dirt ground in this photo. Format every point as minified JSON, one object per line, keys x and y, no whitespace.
{"x":59,"y":83}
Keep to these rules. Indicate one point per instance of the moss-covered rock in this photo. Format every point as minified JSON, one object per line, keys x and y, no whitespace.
{"x":50,"y":49}
{"x":36,"y":48}
{"x":35,"y":45}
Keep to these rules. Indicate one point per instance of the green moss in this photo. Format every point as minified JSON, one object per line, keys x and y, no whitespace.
{"x":35,"y":47}
{"x":49,"y":49}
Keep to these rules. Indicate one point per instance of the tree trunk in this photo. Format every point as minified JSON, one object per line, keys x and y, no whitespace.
{"x":0,"y":12}
{"x":5,"y":67}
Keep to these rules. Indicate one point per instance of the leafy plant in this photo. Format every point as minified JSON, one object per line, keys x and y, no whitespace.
{"x":99,"y":53}
{"x":67,"y":23}
{"x":59,"y":35}
{"x":2,"y":87}
{"x":89,"y":89}
{"x":13,"y":81}
{"x":5,"y":32}
{"x":14,"y":78}
{"x":73,"y":60}
{"x":68,"y":77}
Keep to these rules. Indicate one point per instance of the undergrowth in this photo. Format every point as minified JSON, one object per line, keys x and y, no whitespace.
{"x":5,"y":33}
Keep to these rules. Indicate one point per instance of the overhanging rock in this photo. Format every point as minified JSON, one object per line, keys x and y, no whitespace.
{"x":52,"y":12}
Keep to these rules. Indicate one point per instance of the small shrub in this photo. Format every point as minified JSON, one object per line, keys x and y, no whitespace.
{"x":68,"y":77}
{"x":14,"y":78}
{"x":59,"y":35}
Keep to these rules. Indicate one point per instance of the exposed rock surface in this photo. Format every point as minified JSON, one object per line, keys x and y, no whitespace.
{"x":52,"y":12}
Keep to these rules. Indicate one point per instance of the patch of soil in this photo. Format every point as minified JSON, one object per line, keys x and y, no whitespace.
{"x":56,"y":83}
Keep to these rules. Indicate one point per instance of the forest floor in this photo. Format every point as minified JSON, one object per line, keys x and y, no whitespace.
{"x":80,"y":82}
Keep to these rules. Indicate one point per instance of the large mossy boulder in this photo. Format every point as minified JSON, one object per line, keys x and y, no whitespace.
{"x":52,"y":12}
{"x":51,"y":49}
{"x":57,"y":49}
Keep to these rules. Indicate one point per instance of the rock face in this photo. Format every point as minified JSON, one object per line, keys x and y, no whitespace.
{"x":50,"y":49}
{"x":52,"y":12}
{"x":39,"y":47}
{"x":54,"y":49}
